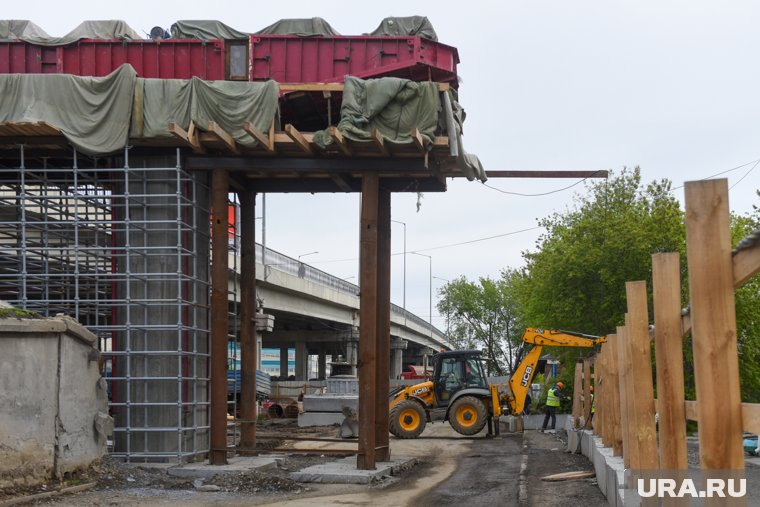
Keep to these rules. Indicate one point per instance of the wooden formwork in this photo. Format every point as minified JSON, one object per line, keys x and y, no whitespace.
{"x":625,"y":405}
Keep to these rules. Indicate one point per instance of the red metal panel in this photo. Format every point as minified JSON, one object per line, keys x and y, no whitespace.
{"x":292,"y":59}
{"x":168,"y":59}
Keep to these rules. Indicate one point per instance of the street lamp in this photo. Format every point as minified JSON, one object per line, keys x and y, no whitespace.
{"x":430,"y":259}
{"x":304,"y":255}
{"x":404,"y":224}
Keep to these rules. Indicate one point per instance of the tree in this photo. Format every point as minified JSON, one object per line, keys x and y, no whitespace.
{"x":486,"y":314}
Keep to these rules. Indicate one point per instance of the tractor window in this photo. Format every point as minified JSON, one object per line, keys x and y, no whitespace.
{"x":474,"y":376}
{"x":450,"y":379}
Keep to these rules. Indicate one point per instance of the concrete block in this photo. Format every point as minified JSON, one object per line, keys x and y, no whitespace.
{"x":534,"y":421}
{"x":330,"y":402}
{"x":345,"y":472}
{"x":319,"y":419}
{"x":342,"y":384}
{"x":234,"y":466}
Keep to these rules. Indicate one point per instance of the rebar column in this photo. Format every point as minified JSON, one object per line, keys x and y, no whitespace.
{"x":218,"y":360}
{"x":383,"y":340}
{"x":248,"y":359}
{"x":367,"y":365}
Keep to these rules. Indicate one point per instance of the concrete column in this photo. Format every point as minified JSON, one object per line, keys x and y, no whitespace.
{"x":302,"y":361}
{"x":397,"y":350}
{"x":352,"y":349}
{"x":284,"y":362}
{"x":322,"y":366}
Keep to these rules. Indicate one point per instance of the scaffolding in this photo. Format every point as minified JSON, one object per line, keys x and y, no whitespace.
{"x":123,"y":247}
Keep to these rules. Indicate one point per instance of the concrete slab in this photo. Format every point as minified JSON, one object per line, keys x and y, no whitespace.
{"x":234,"y":466}
{"x":320,"y":419}
{"x":344,"y":471}
{"x":330,"y":402}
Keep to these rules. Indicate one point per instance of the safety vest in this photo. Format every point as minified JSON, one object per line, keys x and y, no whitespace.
{"x":552,"y":400}
{"x":593,"y":406}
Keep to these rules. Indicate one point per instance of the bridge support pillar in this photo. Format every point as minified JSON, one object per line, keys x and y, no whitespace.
{"x":283,"y":362}
{"x":322,"y":363}
{"x":302,"y":361}
{"x":397,"y":350}
{"x":352,"y":349}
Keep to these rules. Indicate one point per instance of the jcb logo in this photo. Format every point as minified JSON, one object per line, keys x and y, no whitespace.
{"x":420,"y":390}
{"x":526,"y":376}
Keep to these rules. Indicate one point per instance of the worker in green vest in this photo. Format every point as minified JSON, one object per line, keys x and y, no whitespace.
{"x":593,"y":406}
{"x":553,"y":397}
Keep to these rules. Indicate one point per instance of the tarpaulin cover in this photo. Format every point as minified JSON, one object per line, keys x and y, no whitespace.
{"x":92,"y":112}
{"x":469,"y":163}
{"x":391,"y":105}
{"x":20,"y":29}
{"x":228,"y":103}
{"x":303,"y":27}
{"x":109,"y":29}
{"x":205,"y":30}
{"x":402,"y":27}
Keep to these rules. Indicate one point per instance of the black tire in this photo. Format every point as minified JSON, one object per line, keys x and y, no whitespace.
{"x":468,"y":415}
{"x":407,"y":419}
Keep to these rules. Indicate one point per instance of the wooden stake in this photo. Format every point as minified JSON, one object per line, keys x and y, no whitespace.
{"x":577,"y":392}
{"x":587,"y":393}
{"x":666,"y":290}
{"x":614,"y":403}
{"x":624,"y":367}
{"x":713,"y":320}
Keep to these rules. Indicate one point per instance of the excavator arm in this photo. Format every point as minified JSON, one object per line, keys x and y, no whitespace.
{"x":520,"y":380}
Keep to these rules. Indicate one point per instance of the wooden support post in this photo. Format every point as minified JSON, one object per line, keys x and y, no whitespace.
{"x":666,"y":290}
{"x":219,"y":325}
{"x":577,"y":392}
{"x":383,"y":347}
{"x":614,"y":402}
{"x":367,"y":365}
{"x":587,"y":393}
{"x":248,"y":345}
{"x":600,"y":377}
{"x":645,"y":434}
{"x":713,"y":320}
{"x":624,"y":368}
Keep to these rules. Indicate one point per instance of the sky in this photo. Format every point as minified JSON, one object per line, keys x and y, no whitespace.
{"x":669,"y":86}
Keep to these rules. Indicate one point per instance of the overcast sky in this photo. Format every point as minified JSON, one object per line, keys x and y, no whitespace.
{"x":670,"y":86}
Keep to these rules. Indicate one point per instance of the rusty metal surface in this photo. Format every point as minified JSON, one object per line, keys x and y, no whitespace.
{"x":383,"y":343}
{"x":247,"y":314}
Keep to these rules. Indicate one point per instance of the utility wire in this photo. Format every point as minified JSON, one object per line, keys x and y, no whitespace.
{"x":543,"y":194}
{"x":728,"y":171}
{"x":745,"y":174}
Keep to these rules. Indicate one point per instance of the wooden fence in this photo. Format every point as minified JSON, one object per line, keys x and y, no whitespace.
{"x":625,"y":403}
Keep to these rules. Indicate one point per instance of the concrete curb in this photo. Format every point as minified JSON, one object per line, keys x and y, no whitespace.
{"x":345,"y":472}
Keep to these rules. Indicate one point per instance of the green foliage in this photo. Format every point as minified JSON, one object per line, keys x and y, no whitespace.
{"x":486,"y":315}
{"x":6,"y":313}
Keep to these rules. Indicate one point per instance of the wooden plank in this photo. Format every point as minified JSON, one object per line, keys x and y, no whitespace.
{"x":569,"y":476}
{"x":547,"y":174}
{"x":365,"y":459}
{"x":298,"y":139}
{"x":587,"y":393}
{"x":624,"y":368}
{"x":746,"y":264}
{"x":601,"y":375}
{"x":690,"y":410}
{"x":713,"y":314}
{"x":224,"y":136}
{"x":383,"y":343}
{"x":641,"y":372}
{"x":417,"y":140}
{"x":614,"y":401}
{"x":377,"y":138}
{"x":331,"y":87}
{"x":666,"y":290}
{"x":265,"y":142}
{"x":188,"y":137}
{"x":577,"y":391}
{"x":338,"y":139}
{"x":750,"y":415}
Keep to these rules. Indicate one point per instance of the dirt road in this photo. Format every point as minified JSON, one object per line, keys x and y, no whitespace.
{"x":452,"y":470}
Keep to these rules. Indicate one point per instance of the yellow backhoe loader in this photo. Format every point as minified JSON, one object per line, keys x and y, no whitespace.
{"x":459,"y":391}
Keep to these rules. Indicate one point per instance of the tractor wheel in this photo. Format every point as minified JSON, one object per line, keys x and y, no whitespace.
{"x":407,"y":419}
{"x":468,"y":415}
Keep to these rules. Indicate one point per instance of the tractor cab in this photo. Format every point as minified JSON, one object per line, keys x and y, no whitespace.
{"x":457,"y":370}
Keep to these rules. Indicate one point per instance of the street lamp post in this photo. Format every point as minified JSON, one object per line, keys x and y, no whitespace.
{"x":404,"y":224}
{"x":301,"y":267}
{"x":430,"y":259}
{"x":304,"y":255}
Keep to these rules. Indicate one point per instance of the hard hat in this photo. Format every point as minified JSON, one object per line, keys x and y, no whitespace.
{"x":560,"y":385}
{"x":591,"y":388}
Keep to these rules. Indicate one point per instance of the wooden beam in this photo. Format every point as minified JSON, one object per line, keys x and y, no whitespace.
{"x":224,"y":136}
{"x":547,"y":174}
{"x":299,"y":139}
{"x":644,"y":431}
{"x":750,"y":415}
{"x":327,"y":185}
{"x":713,"y":314}
{"x":405,"y":166}
{"x":746,"y":264}
{"x":624,"y":369}
{"x":587,"y":393}
{"x":666,"y":291}
{"x":341,"y":182}
{"x":614,"y":403}
{"x":418,"y":142}
{"x":189,"y":137}
{"x":383,"y":311}
{"x":338,"y":139}
{"x":577,"y":392}
{"x":331,"y":87}
{"x":377,"y":138}
{"x":265,"y":142}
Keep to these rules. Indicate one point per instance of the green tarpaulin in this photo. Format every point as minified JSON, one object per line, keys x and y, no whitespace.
{"x":205,"y":30}
{"x":20,"y":29}
{"x":92,"y":112}
{"x":228,"y":103}
{"x":309,"y":27}
{"x":108,"y":29}
{"x":402,"y":27}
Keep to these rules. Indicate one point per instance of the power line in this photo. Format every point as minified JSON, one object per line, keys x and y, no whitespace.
{"x":745,"y":174}
{"x":539,"y":195}
{"x":728,"y":171}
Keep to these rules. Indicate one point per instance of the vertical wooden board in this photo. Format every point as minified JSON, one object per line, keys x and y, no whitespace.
{"x":577,"y":392}
{"x":713,"y":322}
{"x":625,"y":396}
{"x":248,"y":345}
{"x":587,"y":393}
{"x":615,"y":405}
{"x":365,"y":459}
{"x":644,"y":432}
{"x":666,"y":290}
{"x":383,"y":346}
{"x":602,"y":402}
